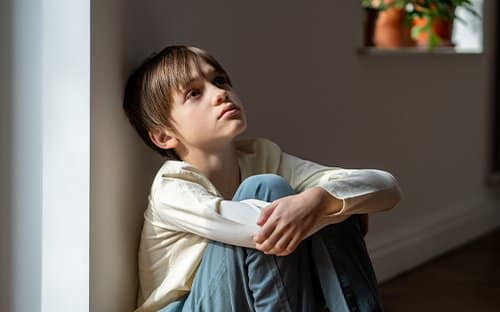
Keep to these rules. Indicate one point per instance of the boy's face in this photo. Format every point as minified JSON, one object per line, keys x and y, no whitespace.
{"x":197,"y":113}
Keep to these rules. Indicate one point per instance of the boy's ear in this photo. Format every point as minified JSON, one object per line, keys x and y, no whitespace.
{"x":163,"y":139}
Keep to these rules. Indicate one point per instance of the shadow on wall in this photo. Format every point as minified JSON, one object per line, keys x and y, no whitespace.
{"x":6,"y":238}
{"x":122,"y":167}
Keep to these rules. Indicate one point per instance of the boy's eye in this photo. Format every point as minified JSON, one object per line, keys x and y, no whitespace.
{"x":193,"y":93}
{"x":220,"y":80}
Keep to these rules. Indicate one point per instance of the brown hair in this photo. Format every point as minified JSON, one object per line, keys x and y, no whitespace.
{"x":150,"y":89}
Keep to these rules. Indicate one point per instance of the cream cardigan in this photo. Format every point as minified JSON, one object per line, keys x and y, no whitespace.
{"x":185,"y":210}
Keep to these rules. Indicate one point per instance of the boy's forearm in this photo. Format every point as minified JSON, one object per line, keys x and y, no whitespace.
{"x":331,"y":205}
{"x":328,"y":204}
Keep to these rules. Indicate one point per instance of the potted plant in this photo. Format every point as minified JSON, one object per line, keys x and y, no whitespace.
{"x":430,"y":21}
{"x":385,"y":25}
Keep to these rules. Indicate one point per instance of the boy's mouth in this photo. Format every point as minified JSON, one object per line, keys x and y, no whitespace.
{"x":226,"y":109}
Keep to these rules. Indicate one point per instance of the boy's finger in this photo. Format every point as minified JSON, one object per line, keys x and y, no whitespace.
{"x":292,"y":245}
{"x":283,"y":242}
{"x":266,"y":213}
{"x":270,"y":243}
{"x":264,"y":233}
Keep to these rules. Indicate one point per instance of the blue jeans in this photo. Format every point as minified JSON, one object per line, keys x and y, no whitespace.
{"x":331,"y":268}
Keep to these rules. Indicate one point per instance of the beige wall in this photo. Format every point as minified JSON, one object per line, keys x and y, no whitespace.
{"x":304,"y":85}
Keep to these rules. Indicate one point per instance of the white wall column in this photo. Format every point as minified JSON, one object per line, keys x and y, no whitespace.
{"x":66,"y":155}
{"x":45,"y":155}
{"x":26,"y":156}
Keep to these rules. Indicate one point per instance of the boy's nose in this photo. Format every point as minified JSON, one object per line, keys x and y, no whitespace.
{"x":221,"y":97}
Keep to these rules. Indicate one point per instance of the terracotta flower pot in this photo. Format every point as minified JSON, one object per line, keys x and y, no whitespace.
{"x":390,"y":30}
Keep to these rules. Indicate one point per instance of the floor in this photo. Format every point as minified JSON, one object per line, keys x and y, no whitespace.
{"x":465,"y":279}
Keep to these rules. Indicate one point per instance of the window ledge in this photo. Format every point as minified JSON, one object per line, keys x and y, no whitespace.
{"x":418,"y":50}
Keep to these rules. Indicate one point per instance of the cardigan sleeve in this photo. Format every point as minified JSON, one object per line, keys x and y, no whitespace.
{"x":189,"y":207}
{"x":361,"y":190}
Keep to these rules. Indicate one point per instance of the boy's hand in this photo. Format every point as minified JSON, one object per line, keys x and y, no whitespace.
{"x":286,"y":221}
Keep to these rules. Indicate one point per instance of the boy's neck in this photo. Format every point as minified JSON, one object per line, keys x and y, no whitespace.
{"x":221,"y":167}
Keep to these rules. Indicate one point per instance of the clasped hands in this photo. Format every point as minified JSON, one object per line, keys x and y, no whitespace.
{"x":287,"y":221}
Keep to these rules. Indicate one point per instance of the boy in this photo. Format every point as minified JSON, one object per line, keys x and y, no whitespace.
{"x":239,"y":225}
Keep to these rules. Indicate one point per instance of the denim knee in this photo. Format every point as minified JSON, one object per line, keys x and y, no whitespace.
{"x":267,"y":180}
{"x":266,"y":187}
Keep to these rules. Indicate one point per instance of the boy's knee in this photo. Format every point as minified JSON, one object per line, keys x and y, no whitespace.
{"x":267,"y":187}
{"x":266,"y":180}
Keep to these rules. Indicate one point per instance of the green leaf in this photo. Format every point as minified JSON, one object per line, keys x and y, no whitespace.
{"x":416,"y":31}
{"x":434,"y":39}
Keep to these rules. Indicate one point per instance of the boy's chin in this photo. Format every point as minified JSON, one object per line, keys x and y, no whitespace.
{"x":240,"y":131}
